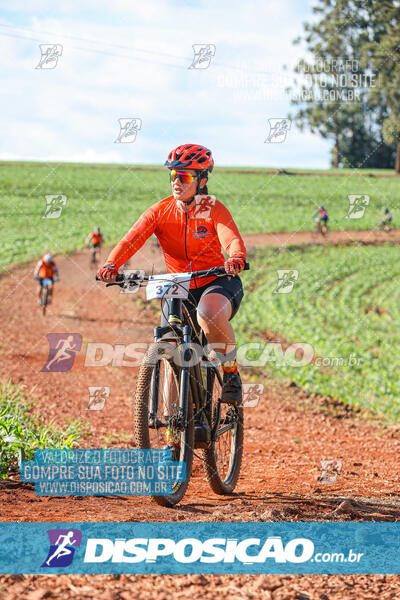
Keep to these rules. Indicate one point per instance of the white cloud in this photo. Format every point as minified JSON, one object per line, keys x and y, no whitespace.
{"x":131,"y":59}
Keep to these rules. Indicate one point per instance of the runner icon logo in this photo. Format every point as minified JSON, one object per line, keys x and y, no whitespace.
{"x":128,"y":129}
{"x":286,"y":280}
{"x":330,"y":470}
{"x":63,"y":347}
{"x":54,"y":206}
{"x":50,"y":53}
{"x":203,"y":208}
{"x":63,"y":543}
{"x":357,"y":205}
{"x":278,"y":130}
{"x":97,"y":397}
{"x":251,"y":394}
{"x":203,"y":53}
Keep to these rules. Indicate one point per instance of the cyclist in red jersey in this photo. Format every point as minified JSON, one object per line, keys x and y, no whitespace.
{"x":46,"y":268}
{"x":191,"y":227}
{"x":95,"y":237}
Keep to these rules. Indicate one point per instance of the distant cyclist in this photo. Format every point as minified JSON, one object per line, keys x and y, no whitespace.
{"x":386,"y":219}
{"x":96,"y":239}
{"x":46,"y":268}
{"x":321,"y":219}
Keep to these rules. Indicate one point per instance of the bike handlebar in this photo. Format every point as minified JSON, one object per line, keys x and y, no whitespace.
{"x":120,"y":279}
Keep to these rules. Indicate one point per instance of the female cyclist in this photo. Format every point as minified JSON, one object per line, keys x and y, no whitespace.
{"x":191,"y":227}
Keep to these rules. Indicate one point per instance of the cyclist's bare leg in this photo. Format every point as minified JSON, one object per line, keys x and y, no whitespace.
{"x":213,"y":314}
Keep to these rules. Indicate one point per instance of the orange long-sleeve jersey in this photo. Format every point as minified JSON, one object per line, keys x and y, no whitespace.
{"x":190,"y":241}
{"x":43,"y":269}
{"x":95,"y":238}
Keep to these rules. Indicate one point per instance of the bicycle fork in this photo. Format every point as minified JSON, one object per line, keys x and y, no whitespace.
{"x":186,"y":354}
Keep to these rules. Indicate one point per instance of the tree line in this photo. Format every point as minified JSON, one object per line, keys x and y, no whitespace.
{"x":347,"y":89}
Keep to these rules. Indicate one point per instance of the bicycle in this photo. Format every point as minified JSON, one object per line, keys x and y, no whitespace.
{"x":320,"y":227}
{"x":44,"y":293}
{"x":93,"y":255}
{"x":385,"y":225}
{"x":177,"y":404}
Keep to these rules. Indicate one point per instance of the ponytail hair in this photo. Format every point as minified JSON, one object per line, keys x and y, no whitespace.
{"x":204,"y":189}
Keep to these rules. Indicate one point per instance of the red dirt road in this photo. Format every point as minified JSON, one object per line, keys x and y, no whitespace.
{"x":332,"y":238}
{"x":287,"y":435}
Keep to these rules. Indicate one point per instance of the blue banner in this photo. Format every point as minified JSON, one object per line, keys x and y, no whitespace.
{"x":299,"y":548}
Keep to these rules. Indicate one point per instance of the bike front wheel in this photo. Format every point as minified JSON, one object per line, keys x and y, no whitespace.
{"x":44,"y":295}
{"x":222,"y":459}
{"x":156,"y":407}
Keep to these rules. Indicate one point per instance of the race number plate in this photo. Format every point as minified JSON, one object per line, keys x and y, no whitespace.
{"x":170,"y":285}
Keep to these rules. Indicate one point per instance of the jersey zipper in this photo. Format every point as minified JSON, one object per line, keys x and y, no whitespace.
{"x":190,"y":262}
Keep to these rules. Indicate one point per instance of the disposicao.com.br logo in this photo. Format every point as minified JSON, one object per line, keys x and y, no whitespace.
{"x":63,"y":543}
{"x":190,"y":550}
{"x":212,"y":550}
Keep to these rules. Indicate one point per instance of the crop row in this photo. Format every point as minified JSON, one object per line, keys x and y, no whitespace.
{"x":346,"y":305}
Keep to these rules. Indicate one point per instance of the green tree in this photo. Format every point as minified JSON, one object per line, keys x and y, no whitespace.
{"x":334,"y":95}
{"x":384,"y":54}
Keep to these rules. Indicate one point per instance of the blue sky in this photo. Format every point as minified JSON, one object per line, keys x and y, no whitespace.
{"x":130,"y":59}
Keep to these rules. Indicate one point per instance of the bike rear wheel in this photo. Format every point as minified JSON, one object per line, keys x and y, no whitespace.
{"x":156,"y":413}
{"x":44,"y":294}
{"x":93,"y":258}
{"x":222,"y":459}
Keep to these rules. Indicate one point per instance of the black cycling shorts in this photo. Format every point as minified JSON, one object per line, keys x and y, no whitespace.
{"x":229,"y":286}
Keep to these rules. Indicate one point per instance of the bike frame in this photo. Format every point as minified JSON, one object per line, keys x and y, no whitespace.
{"x":185,"y":333}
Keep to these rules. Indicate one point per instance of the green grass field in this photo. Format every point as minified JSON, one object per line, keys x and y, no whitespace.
{"x":22,"y":431}
{"x":113,"y":196}
{"x":346,"y":305}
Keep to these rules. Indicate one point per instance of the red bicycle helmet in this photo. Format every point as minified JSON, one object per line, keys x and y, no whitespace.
{"x":190,"y":156}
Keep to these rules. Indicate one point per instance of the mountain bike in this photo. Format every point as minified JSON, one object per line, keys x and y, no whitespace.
{"x":385,"y":225}
{"x":44,"y":293}
{"x":177,"y":404}
{"x":93,"y":255}
{"x":320,"y":227}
